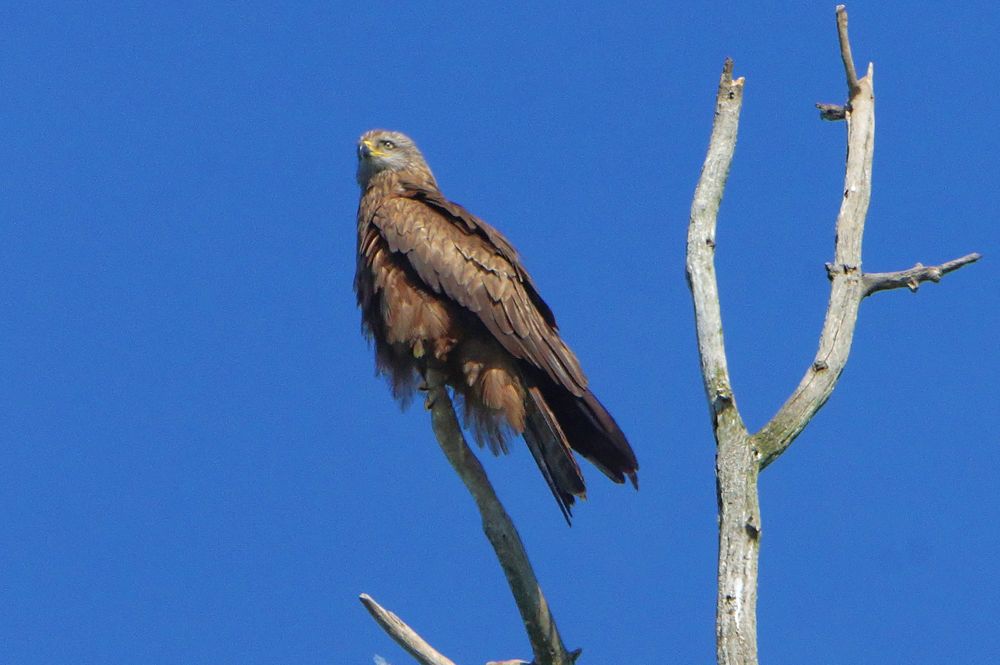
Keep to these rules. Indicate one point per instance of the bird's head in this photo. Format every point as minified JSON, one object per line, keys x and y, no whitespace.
{"x":383,"y":150}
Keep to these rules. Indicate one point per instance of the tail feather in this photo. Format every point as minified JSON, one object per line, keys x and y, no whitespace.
{"x":593,"y":433}
{"x":551,"y":449}
{"x":558,"y":423}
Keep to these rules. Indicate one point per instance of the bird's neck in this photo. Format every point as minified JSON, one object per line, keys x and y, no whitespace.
{"x":395,"y":182}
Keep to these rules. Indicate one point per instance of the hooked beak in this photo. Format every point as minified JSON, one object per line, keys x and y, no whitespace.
{"x":367,"y":149}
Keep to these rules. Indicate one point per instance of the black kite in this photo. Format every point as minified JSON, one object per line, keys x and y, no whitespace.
{"x":438,"y":286}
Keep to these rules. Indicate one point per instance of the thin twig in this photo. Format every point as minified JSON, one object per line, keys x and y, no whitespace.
{"x":736,"y":461}
{"x":405,"y":636}
{"x":831,"y":112}
{"x":845,"y":52}
{"x":912,"y":278}
{"x":546,"y":644}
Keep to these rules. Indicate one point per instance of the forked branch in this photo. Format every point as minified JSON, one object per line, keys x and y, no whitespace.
{"x":847,"y":288}
{"x":850,"y":285}
{"x":739,"y":457}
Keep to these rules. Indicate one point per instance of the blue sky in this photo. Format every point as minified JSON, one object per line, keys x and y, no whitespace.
{"x":199,"y":466}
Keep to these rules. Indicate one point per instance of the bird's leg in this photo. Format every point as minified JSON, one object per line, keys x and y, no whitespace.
{"x":427,"y":386}
{"x":429,"y":396}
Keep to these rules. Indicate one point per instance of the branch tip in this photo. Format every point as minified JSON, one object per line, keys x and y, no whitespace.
{"x":727,"y":80}
{"x":403,"y":635}
{"x":845,"y":52}
{"x":915,"y":276}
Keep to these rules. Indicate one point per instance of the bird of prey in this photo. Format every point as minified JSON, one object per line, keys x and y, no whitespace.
{"x":440,"y":288}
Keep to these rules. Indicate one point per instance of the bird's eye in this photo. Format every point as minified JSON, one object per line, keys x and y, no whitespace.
{"x":388,"y":145}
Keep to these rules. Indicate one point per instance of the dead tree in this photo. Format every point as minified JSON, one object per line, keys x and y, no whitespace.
{"x":740,"y":455}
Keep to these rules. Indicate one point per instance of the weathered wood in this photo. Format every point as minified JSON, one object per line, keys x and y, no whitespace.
{"x":847,"y":287}
{"x":739,"y":456}
{"x":546,"y":644}
{"x":404,"y":636}
{"x":736,"y":462}
{"x":915,"y":276}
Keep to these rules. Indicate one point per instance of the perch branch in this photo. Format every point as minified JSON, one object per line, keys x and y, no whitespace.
{"x":546,"y":644}
{"x":405,"y":636}
{"x":847,"y":288}
{"x":736,"y":460}
{"x":912,"y":278}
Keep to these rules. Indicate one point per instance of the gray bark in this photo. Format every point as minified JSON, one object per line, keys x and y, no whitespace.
{"x":404,"y":636}
{"x":740,"y":456}
{"x":736,"y":462}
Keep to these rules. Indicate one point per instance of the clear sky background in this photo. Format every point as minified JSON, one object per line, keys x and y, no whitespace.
{"x":198,"y":465}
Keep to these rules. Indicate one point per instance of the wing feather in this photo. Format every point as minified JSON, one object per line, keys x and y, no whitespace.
{"x":458,"y":255}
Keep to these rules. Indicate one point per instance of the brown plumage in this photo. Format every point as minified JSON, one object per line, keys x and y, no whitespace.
{"x":438,"y":286}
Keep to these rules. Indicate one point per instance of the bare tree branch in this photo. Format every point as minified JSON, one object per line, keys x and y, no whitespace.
{"x":831,"y":112}
{"x":739,"y":457}
{"x":847,"y":287}
{"x":701,"y":240}
{"x":546,"y":644}
{"x":736,"y":461}
{"x":405,"y":636}
{"x":849,"y":284}
{"x":845,"y":52}
{"x":912,"y":278}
